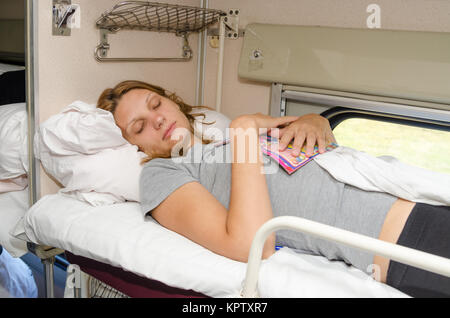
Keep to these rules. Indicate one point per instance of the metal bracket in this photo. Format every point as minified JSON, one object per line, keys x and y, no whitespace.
{"x":47,"y":255}
{"x":101,"y":51}
{"x":103,"y":47}
{"x":232,"y":26}
{"x":62,"y":10}
{"x":43,"y":252}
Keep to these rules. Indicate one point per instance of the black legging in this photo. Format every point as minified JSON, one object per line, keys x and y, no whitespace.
{"x":427,"y":229}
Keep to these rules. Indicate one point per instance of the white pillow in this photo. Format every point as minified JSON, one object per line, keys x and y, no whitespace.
{"x":216,"y":130}
{"x":84,"y":150}
{"x":13,"y":141}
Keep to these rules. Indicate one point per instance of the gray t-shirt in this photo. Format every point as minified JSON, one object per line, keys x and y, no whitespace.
{"x":311,"y":193}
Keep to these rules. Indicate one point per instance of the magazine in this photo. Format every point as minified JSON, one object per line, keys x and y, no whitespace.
{"x":290,"y":163}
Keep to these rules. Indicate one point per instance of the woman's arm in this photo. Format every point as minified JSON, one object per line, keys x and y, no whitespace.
{"x":196,"y":214}
{"x":250,"y":205}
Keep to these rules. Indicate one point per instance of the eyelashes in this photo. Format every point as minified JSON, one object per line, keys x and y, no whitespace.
{"x":143,"y":123}
{"x":140,"y":129}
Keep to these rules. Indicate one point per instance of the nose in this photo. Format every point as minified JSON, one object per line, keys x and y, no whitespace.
{"x":158,"y":121}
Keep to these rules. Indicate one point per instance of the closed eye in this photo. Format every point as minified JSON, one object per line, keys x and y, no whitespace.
{"x":157,"y":105}
{"x":140,"y":127}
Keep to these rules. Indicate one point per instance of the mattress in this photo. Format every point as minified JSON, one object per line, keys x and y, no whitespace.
{"x":120,"y":236}
{"x":13,"y":206}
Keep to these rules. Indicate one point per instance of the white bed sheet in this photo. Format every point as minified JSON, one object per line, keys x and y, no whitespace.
{"x":13,"y":206}
{"x":118,"y":235}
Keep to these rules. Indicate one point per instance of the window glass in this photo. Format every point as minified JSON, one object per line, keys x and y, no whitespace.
{"x":417,"y":146}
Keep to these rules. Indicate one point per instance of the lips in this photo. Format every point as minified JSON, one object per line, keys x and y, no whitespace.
{"x":169,"y":131}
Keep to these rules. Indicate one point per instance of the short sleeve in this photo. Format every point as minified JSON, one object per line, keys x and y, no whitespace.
{"x":159,"y":178}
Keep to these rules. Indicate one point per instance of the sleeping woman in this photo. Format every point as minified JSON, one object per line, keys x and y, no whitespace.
{"x":220,"y":199}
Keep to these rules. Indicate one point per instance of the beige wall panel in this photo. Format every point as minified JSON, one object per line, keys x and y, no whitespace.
{"x":67,"y":69}
{"x":400,"y":64}
{"x":241,"y":96}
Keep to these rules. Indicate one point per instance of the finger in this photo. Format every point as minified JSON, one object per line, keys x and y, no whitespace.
{"x":281,"y":132}
{"x":332,"y":138}
{"x":298,"y":144}
{"x":276,"y":132}
{"x":286,"y":139}
{"x":284,"y":120}
{"x":310,"y":143}
{"x":321,"y":144}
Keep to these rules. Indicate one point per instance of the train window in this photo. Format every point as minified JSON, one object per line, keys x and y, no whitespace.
{"x":418,"y":146}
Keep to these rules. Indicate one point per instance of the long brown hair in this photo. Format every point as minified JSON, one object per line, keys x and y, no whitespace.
{"x":110,"y":98}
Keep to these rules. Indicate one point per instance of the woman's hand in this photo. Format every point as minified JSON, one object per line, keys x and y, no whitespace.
{"x":312,"y":129}
{"x":251,"y":126}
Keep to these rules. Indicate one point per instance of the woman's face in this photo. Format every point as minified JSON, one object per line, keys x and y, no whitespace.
{"x":149,"y":120}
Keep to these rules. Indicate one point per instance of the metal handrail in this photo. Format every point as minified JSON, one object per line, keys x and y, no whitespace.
{"x":102,"y":49}
{"x":426,"y":261}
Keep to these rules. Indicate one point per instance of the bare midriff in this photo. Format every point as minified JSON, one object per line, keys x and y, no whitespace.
{"x":392,"y":228}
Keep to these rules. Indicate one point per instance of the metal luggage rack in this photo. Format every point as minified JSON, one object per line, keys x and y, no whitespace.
{"x":153,"y":16}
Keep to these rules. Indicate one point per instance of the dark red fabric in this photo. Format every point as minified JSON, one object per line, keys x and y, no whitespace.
{"x":129,"y":283}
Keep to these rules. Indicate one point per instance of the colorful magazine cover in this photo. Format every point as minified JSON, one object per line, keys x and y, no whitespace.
{"x":290,"y":163}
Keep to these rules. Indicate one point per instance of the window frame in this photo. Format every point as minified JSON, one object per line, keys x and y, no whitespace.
{"x":337,"y":115}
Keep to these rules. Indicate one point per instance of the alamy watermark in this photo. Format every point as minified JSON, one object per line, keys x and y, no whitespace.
{"x":244,"y":147}
{"x":374,"y":19}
